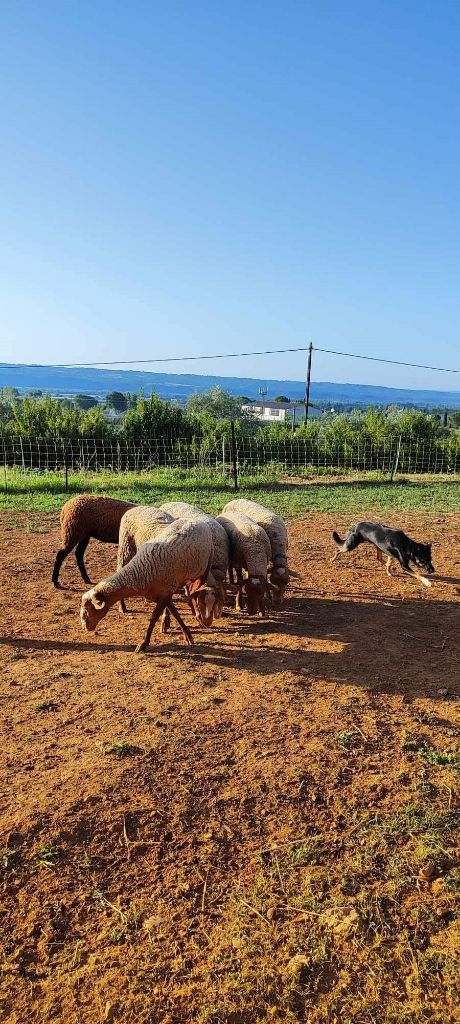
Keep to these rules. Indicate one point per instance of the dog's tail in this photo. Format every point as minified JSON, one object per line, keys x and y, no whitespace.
{"x":337,"y":540}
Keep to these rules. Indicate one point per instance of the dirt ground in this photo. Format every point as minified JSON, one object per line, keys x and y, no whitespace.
{"x":151,"y":803}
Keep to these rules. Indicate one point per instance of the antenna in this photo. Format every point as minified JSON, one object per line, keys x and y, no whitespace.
{"x":263,"y":392}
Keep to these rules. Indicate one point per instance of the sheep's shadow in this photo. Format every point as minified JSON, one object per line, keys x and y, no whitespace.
{"x":406,"y":645}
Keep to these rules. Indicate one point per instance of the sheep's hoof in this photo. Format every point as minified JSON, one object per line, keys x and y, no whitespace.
{"x":189,"y":640}
{"x":57,"y":585}
{"x":141,"y":648}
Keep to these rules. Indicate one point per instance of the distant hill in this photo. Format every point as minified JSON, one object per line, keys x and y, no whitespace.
{"x":67,"y":381}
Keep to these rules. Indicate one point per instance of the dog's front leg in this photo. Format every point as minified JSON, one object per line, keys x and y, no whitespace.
{"x":421,"y":579}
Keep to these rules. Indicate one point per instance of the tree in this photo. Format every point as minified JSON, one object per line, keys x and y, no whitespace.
{"x":94,"y":423}
{"x":9,"y":395}
{"x":218,"y":403}
{"x":152,"y":417}
{"x":45,"y":418}
{"x":282,"y":398}
{"x":116,"y":400}
{"x":85,"y":402}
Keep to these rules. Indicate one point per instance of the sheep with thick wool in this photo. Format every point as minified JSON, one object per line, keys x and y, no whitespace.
{"x":139,"y":525}
{"x":211,"y":600}
{"x":249,"y":550}
{"x":276,"y":530}
{"x":179,"y":556}
{"x":82,"y":518}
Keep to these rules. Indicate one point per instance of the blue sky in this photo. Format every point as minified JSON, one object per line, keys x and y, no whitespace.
{"x":183,"y":178}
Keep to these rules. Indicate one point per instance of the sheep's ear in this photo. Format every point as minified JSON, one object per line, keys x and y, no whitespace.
{"x":195,"y":586}
{"x":92,"y":598}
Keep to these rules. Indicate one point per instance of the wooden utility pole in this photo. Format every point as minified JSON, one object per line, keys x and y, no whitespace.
{"x":307,"y":388}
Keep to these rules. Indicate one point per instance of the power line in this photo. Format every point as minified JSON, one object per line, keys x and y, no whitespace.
{"x":163,"y":359}
{"x":380,"y":359}
{"x":228,"y":355}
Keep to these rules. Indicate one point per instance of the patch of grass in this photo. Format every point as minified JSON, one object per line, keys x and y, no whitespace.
{"x":338,"y":929}
{"x":8,"y":856}
{"x":16,"y":656}
{"x":35,"y":528}
{"x":346,"y":739}
{"x":46,"y":705}
{"x":438,"y":758}
{"x":47,"y":856}
{"x":286,"y":494}
{"x":120,"y":748}
{"x":441,"y":758}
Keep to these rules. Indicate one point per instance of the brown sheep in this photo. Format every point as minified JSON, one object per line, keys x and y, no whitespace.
{"x":84,"y":517}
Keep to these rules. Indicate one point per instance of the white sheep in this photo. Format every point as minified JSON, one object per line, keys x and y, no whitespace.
{"x":249,"y":550}
{"x":210,"y":601}
{"x":139,"y":525}
{"x":179,"y":556}
{"x":276,"y":530}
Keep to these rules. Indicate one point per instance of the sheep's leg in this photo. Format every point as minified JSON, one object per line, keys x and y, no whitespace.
{"x":389,"y":564}
{"x":61,"y":555}
{"x":160,"y":605}
{"x":179,"y":619}
{"x":239,"y":595}
{"x":166,"y":621}
{"x":122,"y":607}
{"x":79,"y":553}
{"x":231,"y":577}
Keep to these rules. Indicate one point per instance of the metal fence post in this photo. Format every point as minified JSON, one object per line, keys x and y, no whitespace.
{"x":235,"y":468}
{"x":396,"y":462}
{"x":66,"y":469}
{"x":4,"y":463}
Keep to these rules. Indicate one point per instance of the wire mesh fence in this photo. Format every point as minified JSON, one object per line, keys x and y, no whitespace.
{"x":407,"y":455}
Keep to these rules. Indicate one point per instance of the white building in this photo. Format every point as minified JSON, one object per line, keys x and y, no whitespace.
{"x":280,"y":412}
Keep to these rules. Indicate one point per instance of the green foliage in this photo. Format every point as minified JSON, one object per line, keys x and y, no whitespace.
{"x":217,"y":403}
{"x":46,"y":418}
{"x":116,"y":400}
{"x":94,"y":424}
{"x":9,"y":395}
{"x":206,"y":421}
{"x":151,"y":417}
{"x":83,"y":401}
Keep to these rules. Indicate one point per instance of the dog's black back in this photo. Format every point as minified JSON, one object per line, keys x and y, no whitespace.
{"x":394,"y":543}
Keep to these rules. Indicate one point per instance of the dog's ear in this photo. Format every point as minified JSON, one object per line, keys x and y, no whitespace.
{"x":295,"y":575}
